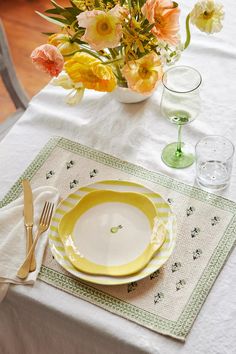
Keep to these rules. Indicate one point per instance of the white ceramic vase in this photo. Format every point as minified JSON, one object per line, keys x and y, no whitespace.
{"x":126,"y":95}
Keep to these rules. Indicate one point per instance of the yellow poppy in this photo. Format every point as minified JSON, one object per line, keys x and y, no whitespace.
{"x":102,"y":29}
{"x":142,"y":75}
{"x":88,"y":70}
{"x":207,"y":16}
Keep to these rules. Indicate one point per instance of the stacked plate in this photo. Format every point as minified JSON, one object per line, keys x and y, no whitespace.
{"x":112,"y":232}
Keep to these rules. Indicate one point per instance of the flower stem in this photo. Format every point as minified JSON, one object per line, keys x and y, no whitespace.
{"x":85,"y":50}
{"x":112,"y":61}
{"x":188,"y":34}
{"x":118,"y":71}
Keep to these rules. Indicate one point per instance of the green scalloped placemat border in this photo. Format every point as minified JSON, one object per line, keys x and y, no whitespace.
{"x":89,"y":293}
{"x":182,"y":326}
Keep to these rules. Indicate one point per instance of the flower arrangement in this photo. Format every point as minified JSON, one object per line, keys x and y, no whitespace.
{"x":102,"y":44}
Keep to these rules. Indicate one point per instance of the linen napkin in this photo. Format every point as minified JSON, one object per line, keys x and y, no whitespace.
{"x":13,"y":237}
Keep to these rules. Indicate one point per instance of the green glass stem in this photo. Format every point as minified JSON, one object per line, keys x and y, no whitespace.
{"x":178,"y":152}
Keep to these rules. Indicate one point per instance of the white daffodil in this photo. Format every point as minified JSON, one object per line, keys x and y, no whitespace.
{"x":169,"y":55}
{"x":77,"y":89}
{"x":207,"y":16}
{"x":64,"y":81}
{"x":75,"y":96}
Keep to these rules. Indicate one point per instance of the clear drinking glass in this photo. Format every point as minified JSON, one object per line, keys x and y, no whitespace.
{"x":214,"y":160}
{"x":180,"y":103}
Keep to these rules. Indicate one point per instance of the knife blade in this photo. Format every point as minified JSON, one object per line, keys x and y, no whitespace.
{"x":28,"y":219}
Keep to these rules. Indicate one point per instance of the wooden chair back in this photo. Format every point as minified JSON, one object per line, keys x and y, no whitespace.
{"x":8,"y":73}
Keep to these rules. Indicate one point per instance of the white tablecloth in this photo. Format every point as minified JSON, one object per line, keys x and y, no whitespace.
{"x":42,"y":319}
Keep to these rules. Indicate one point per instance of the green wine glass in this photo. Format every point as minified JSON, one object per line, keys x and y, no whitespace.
{"x":180,"y":103}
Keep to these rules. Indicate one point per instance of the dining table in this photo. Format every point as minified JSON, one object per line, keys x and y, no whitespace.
{"x":40,"y":318}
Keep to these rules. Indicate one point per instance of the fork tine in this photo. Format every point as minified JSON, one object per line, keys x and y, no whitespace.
{"x":45,"y":216}
{"x":50,"y":213}
{"x":43,"y":212}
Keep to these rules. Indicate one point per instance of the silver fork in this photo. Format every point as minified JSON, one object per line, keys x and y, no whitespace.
{"x":44,"y":223}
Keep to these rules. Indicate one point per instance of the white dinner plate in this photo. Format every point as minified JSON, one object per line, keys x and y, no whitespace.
{"x":160,"y":257}
{"x":112,"y":232}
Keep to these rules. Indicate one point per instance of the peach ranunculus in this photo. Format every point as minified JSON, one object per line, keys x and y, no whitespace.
{"x":84,"y":68}
{"x":142,"y":75}
{"x":165,"y":15}
{"x":103,"y":29}
{"x":48,"y":59}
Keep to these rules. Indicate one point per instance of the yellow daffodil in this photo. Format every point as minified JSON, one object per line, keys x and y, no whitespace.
{"x":142,"y":75}
{"x":68,"y":48}
{"x":84,"y":68}
{"x":75,"y":96}
{"x":63,"y":43}
{"x":103,"y":29}
{"x":77,"y":89}
{"x":58,"y":38}
{"x":207,"y":16}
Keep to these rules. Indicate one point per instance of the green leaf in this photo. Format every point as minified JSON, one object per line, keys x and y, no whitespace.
{"x":96,"y":4}
{"x":73,"y":5}
{"x":79,"y":33}
{"x":56,"y":5}
{"x":74,"y":11}
{"x":141,"y":3}
{"x":130,"y":6}
{"x":48,"y":33}
{"x":68,"y":13}
{"x":53,"y":11}
{"x":62,"y":20}
{"x":68,"y":16}
{"x":55,"y":21}
{"x":79,"y":41}
{"x":148,"y":28}
{"x":144,"y":23}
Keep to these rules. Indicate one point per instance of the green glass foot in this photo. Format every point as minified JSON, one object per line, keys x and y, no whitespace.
{"x":178,"y":160}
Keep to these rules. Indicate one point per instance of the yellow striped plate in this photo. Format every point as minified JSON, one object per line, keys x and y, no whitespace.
{"x":156,"y":262}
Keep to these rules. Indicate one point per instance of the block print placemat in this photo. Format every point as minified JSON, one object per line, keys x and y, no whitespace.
{"x":168,"y":300}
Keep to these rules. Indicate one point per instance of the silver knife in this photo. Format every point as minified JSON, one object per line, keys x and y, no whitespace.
{"x":29,"y":219}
